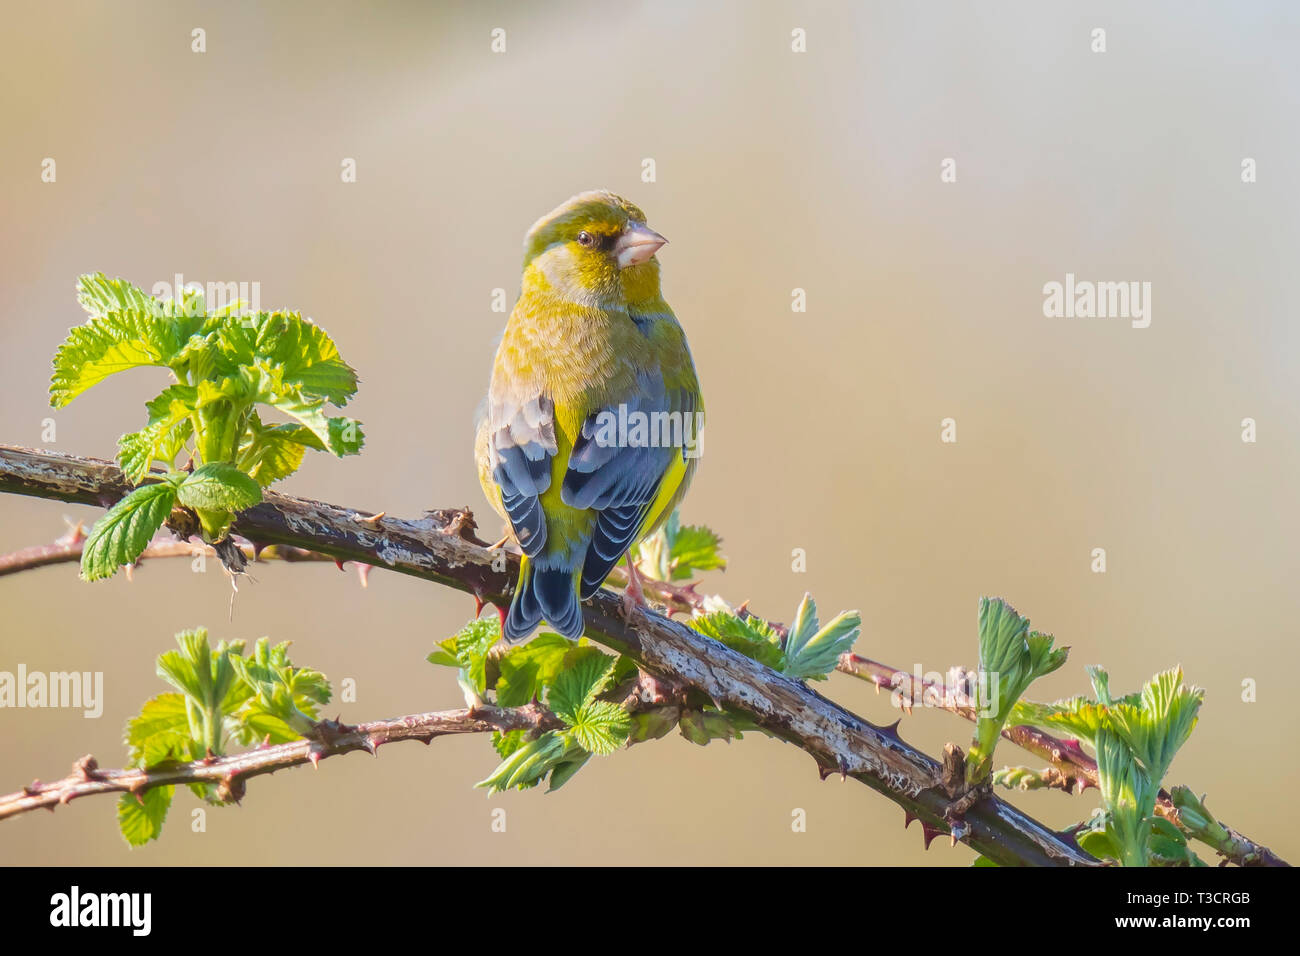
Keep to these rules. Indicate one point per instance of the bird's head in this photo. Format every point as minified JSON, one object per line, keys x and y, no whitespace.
{"x":592,"y":247}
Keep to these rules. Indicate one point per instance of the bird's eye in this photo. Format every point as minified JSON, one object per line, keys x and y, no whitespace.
{"x":586,"y":239}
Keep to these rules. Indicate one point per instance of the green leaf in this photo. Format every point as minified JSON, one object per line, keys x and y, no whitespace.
{"x":103,"y":347}
{"x":272,"y":452}
{"x":507,"y":743}
{"x":304,"y":354}
{"x":750,"y":636}
{"x":652,"y":723}
{"x":1099,"y":843}
{"x":1156,"y":730}
{"x":526,"y":670}
{"x":161,"y":731}
{"x":1129,"y":796}
{"x":124,"y":532}
{"x":694,"y":548}
{"x":128,"y":329}
{"x":1011,"y":658}
{"x":676,"y":552}
{"x":579,"y":683}
{"x":702,"y":726}
{"x":812,"y":651}
{"x":100,"y":295}
{"x":1197,"y":818}
{"x":572,"y":762}
{"x":526,"y":766}
{"x":468,"y":649}
{"x":284,"y":698}
{"x":266,"y":385}
{"x":207,"y":678}
{"x":219,"y":486}
{"x":140,"y":821}
{"x":137,"y":451}
{"x":600,"y":727}
{"x":162,"y":438}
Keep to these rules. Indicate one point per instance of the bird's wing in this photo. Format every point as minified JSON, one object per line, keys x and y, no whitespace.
{"x":521,"y":444}
{"x":618,"y":477}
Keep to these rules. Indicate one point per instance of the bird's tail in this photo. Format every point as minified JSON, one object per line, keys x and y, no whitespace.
{"x":543,"y":592}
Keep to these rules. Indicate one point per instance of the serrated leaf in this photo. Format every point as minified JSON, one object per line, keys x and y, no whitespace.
{"x":676,"y":552}
{"x":139,"y":821}
{"x":468,"y":649}
{"x":812,"y":651}
{"x":99,"y":295}
{"x":1011,"y":658}
{"x":750,"y":636}
{"x":169,"y":428}
{"x":128,"y":329}
{"x":122,"y":534}
{"x":283,"y":698}
{"x":272,"y":453}
{"x":105,"y":346}
{"x":579,"y":683}
{"x":507,"y":743}
{"x":694,"y":548}
{"x":303,"y":353}
{"x":161,"y":731}
{"x":525,"y":671}
{"x":266,"y":385}
{"x":207,"y":678}
{"x":219,"y":486}
{"x":600,"y":727}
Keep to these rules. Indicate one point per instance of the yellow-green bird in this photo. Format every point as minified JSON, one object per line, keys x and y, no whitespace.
{"x":590,"y":353}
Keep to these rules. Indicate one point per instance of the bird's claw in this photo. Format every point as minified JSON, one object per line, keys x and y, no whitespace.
{"x":633,"y":595}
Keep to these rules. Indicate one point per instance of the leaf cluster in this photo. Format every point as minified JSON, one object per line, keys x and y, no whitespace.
{"x":575,"y":680}
{"x":678,"y":552}
{"x":1135,"y":738}
{"x":808,"y":650}
{"x":221,"y":697}
{"x":228,"y":367}
{"x":1011,"y":658}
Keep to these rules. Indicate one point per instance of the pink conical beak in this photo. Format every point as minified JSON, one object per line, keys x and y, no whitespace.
{"x":636,"y":245}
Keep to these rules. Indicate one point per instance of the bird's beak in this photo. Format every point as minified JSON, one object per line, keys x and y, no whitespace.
{"x":636,"y":245}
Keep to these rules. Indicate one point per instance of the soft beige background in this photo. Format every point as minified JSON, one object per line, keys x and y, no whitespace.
{"x":775,"y":170}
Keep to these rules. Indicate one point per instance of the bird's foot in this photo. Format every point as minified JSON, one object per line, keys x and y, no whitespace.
{"x":633,"y":595}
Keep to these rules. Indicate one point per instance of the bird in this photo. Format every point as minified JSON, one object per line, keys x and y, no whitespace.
{"x":590,"y":350}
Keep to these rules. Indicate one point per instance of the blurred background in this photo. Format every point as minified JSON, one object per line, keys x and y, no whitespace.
{"x":775,"y":170}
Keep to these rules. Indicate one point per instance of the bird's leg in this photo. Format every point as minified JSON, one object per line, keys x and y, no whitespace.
{"x":633,"y":596}
{"x":478,"y":601}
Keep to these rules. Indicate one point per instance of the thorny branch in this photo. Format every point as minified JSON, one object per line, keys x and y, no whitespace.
{"x":230,"y":773}
{"x":441,"y":547}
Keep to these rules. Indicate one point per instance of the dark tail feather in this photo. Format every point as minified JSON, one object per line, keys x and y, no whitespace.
{"x":543,"y":593}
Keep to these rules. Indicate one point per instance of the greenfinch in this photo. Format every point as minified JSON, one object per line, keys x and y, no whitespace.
{"x":591,"y":429}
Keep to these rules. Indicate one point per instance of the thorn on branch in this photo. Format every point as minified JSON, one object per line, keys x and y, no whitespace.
{"x":457,"y":522}
{"x":231,"y":789}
